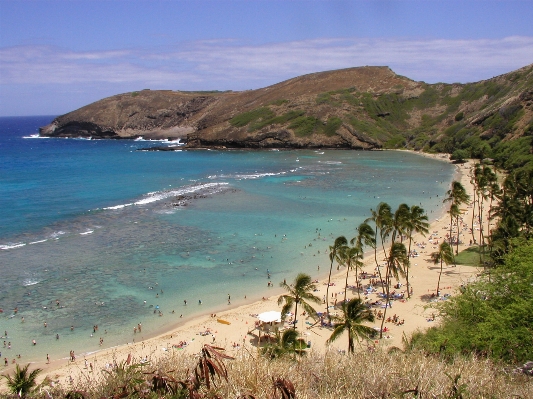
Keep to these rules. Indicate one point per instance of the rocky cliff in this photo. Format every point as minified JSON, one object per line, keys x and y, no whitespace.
{"x":358,"y":108}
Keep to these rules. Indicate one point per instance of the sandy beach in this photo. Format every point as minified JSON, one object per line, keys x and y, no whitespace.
{"x":233,"y":329}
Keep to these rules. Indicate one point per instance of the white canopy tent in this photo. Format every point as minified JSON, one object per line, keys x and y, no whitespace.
{"x":270,"y":316}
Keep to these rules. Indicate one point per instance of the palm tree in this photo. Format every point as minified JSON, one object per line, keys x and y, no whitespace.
{"x":351,"y":257}
{"x":458,"y":196}
{"x":365,"y":236}
{"x":454,"y":212}
{"x":287,"y":343}
{"x":300,"y":292}
{"x":22,"y":382}
{"x":443,"y":255}
{"x":382,"y":219}
{"x":396,"y":264}
{"x":417,"y":222}
{"x":480,"y":177}
{"x":354,"y":313}
{"x":400,"y":222}
{"x":334,"y":254}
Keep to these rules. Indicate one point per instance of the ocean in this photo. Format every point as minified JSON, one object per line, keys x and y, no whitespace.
{"x":101,"y":233}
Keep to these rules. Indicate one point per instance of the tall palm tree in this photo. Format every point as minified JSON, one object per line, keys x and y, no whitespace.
{"x":334,"y":255}
{"x":351,"y":257}
{"x":22,"y":381}
{"x":417,"y":223}
{"x":354,"y":313}
{"x":396,"y":264}
{"x":365,"y":236}
{"x":299,"y":293}
{"x":454,"y":212}
{"x":480,"y":177}
{"x":400,"y":222}
{"x":443,"y":255}
{"x":457,"y":196}
{"x":382,"y":219}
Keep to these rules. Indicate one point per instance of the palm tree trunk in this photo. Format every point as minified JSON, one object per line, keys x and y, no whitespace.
{"x":376,"y":260}
{"x":351,"y":346}
{"x":451,"y":227}
{"x":440,"y":274}
{"x":346,"y":282}
{"x":295,"y":313}
{"x":386,"y":300}
{"x":473,"y":215}
{"x":458,"y":235}
{"x":386,"y":257}
{"x":480,"y":212}
{"x":327,"y":290}
{"x":408,"y":266}
{"x":386,"y":303}
{"x":356,"y":281}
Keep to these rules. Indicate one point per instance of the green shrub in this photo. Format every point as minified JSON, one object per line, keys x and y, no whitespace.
{"x":491,"y":317}
{"x":460,"y":155}
{"x":332,"y":125}
{"x":304,"y":125}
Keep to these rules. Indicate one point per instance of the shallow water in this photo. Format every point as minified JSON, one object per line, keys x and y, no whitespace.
{"x":100,"y":228}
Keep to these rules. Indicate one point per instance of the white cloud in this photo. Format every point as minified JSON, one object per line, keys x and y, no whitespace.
{"x":235,"y":65}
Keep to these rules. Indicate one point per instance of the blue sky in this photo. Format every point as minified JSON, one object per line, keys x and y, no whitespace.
{"x":56,"y":56}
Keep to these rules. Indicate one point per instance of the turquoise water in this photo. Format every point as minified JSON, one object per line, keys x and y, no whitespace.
{"x":100,"y":228}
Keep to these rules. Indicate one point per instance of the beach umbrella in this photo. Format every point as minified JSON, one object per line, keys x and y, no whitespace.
{"x":270,"y":316}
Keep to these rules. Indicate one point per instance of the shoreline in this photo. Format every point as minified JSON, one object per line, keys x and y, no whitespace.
{"x":237,"y":315}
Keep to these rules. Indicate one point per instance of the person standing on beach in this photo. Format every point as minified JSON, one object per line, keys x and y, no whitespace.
{"x":47,"y":359}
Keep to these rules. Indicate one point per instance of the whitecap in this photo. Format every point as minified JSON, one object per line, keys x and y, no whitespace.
{"x":38,"y":241}
{"x":161,"y":195}
{"x":35,"y":136}
{"x":87,"y":232}
{"x":57,"y":234}
{"x":118,"y":206}
{"x":27,"y":282}
{"x":249,"y":176}
{"x":12,"y":246}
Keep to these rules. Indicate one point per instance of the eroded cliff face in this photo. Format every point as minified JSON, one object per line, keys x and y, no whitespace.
{"x":354,"y":108}
{"x":153,"y":114}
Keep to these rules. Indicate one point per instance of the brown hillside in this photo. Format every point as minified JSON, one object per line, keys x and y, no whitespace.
{"x":365,"y":107}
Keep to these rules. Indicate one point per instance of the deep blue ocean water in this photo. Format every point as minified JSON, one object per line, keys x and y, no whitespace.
{"x":91,"y":229}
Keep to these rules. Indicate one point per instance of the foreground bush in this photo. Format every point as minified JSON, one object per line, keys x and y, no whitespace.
{"x":330,"y":376}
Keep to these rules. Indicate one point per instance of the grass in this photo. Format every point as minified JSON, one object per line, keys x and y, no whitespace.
{"x":468,"y":257}
{"x":333,"y":375}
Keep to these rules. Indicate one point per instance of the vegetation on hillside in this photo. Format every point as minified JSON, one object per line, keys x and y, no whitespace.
{"x":488,"y":119}
{"x":492,"y":317}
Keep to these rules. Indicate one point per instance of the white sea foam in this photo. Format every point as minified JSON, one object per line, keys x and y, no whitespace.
{"x":87,"y":232}
{"x":38,"y":241}
{"x":27,"y":282}
{"x":119,"y":206}
{"x":249,"y":176}
{"x":12,"y":245}
{"x":176,"y":142}
{"x":161,"y":195}
{"x":57,"y":234}
{"x":34,"y":136}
